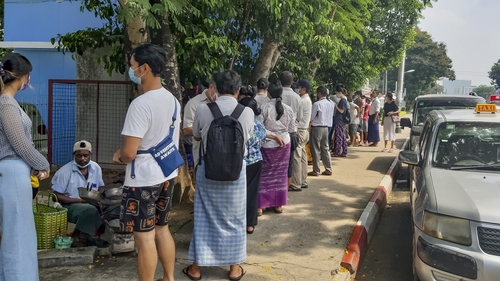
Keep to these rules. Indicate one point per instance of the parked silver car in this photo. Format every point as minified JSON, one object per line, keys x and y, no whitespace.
{"x":454,"y":194}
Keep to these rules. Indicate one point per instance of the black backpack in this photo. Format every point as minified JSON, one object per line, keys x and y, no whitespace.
{"x":347,"y":113}
{"x":225,"y":145}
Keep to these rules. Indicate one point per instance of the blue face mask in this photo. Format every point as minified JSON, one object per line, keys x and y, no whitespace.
{"x":135,"y":79}
{"x":25,"y":86}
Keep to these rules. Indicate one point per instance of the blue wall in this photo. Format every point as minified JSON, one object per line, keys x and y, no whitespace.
{"x":39,"y":21}
{"x":27,"y":20}
{"x":47,"y":64}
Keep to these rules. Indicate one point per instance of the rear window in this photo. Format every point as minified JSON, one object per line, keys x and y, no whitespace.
{"x":426,"y":106}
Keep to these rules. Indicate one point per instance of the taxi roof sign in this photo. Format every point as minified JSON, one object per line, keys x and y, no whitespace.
{"x":486,"y":108}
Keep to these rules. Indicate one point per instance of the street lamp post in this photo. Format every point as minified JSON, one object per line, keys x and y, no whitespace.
{"x":400,"y":86}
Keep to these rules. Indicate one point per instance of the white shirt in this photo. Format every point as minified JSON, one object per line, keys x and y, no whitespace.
{"x":149,"y":118}
{"x":306,"y":110}
{"x":189,"y":113}
{"x":227,"y":104}
{"x":281,"y":128}
{"x":322,"y":113}
{"x":68,"y":179}
{"x":261,"y":98}
{"x":354,"y":113}
{"x":293,"y":100}
{"x":374,"y":106}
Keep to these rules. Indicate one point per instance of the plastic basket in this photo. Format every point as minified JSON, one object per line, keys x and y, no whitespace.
{"x":63,"y":242}
{"x":50,"y":222}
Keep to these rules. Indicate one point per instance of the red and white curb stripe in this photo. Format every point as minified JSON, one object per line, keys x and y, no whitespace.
{"x":365,"y":227}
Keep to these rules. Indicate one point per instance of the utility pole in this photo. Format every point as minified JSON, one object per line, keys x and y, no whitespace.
{"x":385,"y":83}
{"x":399,"y":91}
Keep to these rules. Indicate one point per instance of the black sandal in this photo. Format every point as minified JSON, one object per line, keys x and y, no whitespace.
{"x":243,"y":272}
{"x":251,"y":231}
{"x":186,"y":272}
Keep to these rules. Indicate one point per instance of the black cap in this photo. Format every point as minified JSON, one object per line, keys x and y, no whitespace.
{"x":305,"y":84}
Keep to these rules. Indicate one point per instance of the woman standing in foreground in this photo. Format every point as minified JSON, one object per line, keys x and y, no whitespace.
{"x":390,"y":109}
{"x":18,"y":159}
{"x":254,"y":164}
{"x":278,"y":120}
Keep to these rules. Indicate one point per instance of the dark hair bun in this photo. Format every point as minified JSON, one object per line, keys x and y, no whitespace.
{"x":262,"y":84}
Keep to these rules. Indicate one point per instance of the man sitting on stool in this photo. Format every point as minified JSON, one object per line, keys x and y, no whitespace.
{"x":80,"y":172}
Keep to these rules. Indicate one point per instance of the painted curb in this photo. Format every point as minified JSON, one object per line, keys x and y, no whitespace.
{"x":365,"y":227}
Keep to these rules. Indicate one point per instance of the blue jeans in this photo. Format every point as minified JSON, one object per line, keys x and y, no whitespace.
{"x":18,"y":251}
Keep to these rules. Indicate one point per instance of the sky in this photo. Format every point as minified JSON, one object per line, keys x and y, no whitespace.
{"x":470,"y":29}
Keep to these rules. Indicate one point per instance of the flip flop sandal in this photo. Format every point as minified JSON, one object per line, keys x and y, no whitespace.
{"x":391,"y":150}
{"x":186,"y":272}
{"x":243,"y":272}
{"x":384,"y":150}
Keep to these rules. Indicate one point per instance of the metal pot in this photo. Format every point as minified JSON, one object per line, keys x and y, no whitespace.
{"x":111,"y":202}
{"x":114,"y":193}
{"x":90,"y":196}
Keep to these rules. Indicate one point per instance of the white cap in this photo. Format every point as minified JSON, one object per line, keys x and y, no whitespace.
{"x":82,"y":145}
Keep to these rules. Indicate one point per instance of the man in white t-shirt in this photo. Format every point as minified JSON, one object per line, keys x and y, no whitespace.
{"x":373,"y":120}
{"x":147,"y":194}
{"x":209,"y":95}
{"x":353,"y":126}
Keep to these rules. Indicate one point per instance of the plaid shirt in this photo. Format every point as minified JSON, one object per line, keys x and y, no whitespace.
{"x":253,"y":143}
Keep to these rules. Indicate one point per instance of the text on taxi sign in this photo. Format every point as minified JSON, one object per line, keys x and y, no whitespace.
{"x":486,"y":108}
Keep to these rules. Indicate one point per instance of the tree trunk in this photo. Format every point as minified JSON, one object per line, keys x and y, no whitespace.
{"x":135,"y":34}
{"x":135,"y":30}
{"x":265,"y":60}
{"x":243,"y":27}
{"x":163,"y":37}
{"x":276,"y":56}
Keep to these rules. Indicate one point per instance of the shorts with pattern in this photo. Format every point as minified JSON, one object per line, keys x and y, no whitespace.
{"x":144,"y":207}
{"x":364,"y":126}
{"x":353,"y":129}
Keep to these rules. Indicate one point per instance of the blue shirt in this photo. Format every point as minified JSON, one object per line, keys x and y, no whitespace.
{"x":69,"y":178}
{"x":253,"y":143}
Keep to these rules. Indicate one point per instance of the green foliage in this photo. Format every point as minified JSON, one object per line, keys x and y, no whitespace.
{"x":494,"y":73}
{"x":388,"y":32}
{"x":484,"y":91}
{"x":430,"y":61}
{"x":111,"y":34}
{"x":327,"y":41}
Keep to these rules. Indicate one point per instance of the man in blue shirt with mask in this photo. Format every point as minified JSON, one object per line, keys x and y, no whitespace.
{"x":80,"y":172}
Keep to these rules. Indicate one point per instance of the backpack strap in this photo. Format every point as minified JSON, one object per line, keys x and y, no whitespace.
{"x":214,"y":108}
{"x":237,"y":111}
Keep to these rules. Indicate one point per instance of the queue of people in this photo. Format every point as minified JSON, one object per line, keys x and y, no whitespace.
{"x":250,"y":150}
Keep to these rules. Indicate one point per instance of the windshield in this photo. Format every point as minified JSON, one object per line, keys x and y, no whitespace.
{"x":424,"y":107}
{"x":460,"y":145}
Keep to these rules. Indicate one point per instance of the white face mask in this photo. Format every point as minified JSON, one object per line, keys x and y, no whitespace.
{"x":81,"y":167}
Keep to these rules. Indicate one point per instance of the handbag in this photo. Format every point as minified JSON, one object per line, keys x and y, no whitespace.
{"x":395,"y":118}
{"x":165,"y":153}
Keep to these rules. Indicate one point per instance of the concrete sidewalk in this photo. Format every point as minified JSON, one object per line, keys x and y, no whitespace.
{"x":306,"y":242}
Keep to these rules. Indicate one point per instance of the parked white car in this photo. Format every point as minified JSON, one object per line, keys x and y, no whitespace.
{"x":454,"y":195}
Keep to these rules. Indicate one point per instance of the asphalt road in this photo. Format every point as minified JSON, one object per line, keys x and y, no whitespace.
{"x":389,"y":255}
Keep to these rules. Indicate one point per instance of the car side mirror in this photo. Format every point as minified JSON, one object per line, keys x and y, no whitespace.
{"x":405,"y":123}
{"x":409,"y":157}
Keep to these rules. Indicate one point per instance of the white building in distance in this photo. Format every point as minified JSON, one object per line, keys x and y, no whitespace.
{"x":457,"y":87}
